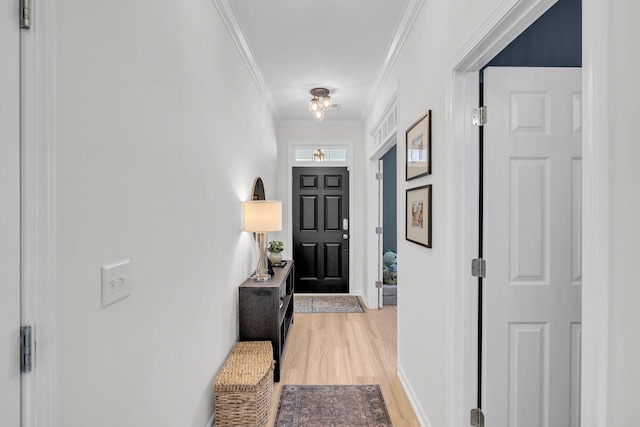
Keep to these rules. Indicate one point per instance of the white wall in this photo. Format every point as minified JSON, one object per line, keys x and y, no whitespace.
{"x":624,"y":316}
{"x":160,"y":134}
{"x":323,"y":134}
{"x":438,"y":33}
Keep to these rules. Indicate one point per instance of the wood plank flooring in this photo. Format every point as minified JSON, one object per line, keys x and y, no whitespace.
{"x":346,"y":348}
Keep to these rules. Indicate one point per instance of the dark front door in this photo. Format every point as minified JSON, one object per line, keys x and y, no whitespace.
{"x":321,"y":229}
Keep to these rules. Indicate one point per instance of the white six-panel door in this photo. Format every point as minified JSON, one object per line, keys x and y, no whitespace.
{"x":9,"y":215}
{"x":532,"y":244}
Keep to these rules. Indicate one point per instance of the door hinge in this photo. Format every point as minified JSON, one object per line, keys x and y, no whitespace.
{"x":479,"y":267}
{"x":477,"y":418}
{"x":379,"y":176}
{"x":378,"y":284}
{"x":479,"y":116}
{"x":378,"y":230}
{"x":25,"y":14}
{"x":25,"y":349}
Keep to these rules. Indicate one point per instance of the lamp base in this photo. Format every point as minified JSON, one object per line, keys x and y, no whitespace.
{"x":262,"y":270}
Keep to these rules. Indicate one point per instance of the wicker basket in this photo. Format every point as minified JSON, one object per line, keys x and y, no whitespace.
{"x":243,"y":390}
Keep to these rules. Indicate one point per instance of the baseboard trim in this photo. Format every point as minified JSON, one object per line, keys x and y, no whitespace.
{"x":413,"y":399}
{"x":364,"y":299}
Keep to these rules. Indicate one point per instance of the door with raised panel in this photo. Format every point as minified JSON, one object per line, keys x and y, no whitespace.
{"x":532,"y":245}
{"x":9,"y":217}
{"x":320,"y":208}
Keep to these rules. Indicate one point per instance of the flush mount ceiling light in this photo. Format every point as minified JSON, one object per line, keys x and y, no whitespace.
{"x":320,"y":103}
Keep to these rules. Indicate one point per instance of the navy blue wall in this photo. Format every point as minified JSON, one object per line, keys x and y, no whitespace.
{"x":389,"y":201}
{"x":554,"y":40}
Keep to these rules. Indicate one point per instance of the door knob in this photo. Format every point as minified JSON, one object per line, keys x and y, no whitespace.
{"x":345,"y":236}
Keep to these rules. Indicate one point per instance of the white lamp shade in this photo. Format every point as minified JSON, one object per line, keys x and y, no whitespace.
{"x":262,"y":216}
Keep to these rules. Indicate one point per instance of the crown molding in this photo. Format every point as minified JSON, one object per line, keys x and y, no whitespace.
{"x":409,"y":15}
{"x":233,"y":26}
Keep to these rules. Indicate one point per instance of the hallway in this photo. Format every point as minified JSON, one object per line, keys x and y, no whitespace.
{"x":347,"y":348}
{"x":142,"y":138}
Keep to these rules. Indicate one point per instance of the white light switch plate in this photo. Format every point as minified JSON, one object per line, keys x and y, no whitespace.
{"x":116,"y":283}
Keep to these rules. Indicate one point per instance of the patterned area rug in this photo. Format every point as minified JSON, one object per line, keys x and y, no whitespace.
{"x":331,"y":406}
{"x":327,"y":304}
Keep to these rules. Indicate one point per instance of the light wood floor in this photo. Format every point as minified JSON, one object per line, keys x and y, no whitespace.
{"x":346,"y":348}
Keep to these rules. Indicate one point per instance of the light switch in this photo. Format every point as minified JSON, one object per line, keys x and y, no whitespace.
{"x":116,"y":283}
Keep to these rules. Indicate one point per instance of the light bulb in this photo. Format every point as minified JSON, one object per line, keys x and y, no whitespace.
{"x":314,"y":105}
{"x":318,"y":116}
{"x":326,"y":102}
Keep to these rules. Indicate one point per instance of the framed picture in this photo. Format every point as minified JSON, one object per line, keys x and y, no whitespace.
{"x":418,"y":221}
{"x":419,"y":147}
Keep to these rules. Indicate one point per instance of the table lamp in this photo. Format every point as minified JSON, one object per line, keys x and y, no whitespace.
{"x":260,"y":217}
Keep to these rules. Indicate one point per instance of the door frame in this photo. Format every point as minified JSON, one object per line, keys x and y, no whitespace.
{"x":10,"y":219}
{"x":374,"y":246}
{"x":324,"y":284}
{"x":291,"y":163}
{"x":510,"y":19}
{"x":381,"y":136}
{"x":38,"y":236}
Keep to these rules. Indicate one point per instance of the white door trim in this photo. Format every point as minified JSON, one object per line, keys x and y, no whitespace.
{"x":509,"y":20}
{"x":380,"y":138}
{"x":597,"y":147}
{"x":38,"y":128}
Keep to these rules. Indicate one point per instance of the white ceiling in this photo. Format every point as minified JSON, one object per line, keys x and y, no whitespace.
{"x":292,"y":46}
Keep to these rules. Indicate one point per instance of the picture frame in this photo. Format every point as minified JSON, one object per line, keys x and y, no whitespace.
{"x":418,"y":145}
{"x":418,"y":215}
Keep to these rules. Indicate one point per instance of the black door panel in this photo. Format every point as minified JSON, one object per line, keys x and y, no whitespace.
{"x":320,"y":208}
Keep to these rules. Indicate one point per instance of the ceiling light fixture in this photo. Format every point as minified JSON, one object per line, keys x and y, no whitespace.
{"x":320,"y":103}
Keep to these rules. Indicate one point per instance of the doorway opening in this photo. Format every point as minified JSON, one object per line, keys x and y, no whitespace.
{"x":530,"y":165}
{"x":389,"y":202}
{"x":319,"y":197}
{"x":382,"y":207}
{"x":462,"y":96}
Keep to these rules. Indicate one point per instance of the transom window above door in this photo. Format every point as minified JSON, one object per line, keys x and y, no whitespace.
{"x":311,"y":154}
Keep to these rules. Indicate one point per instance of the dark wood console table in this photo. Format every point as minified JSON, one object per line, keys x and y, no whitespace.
{"x":266,"y":311}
